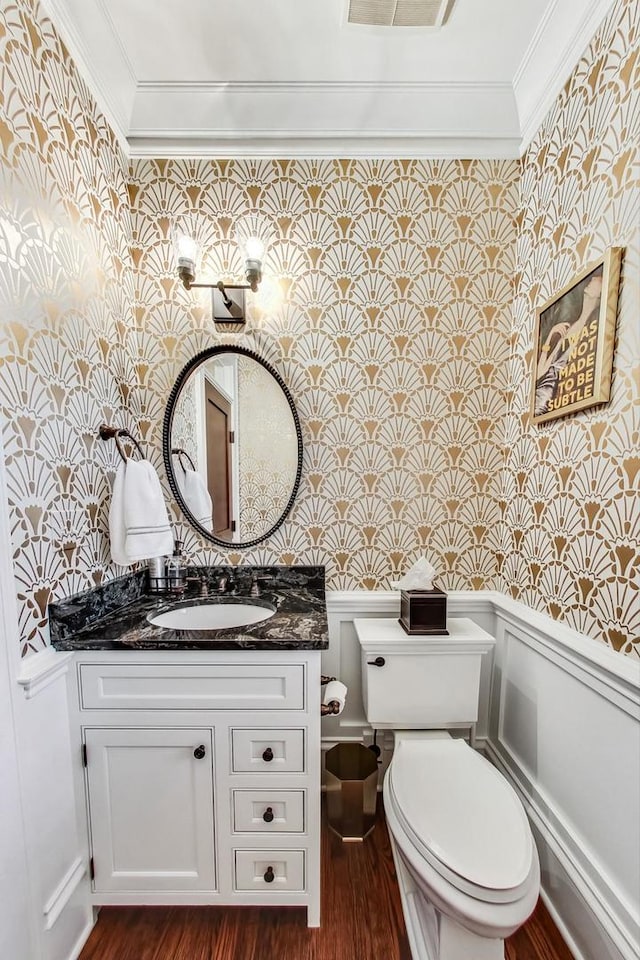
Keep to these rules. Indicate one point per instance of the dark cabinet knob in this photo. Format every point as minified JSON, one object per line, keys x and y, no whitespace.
{"x":378,"y":662}
{"x":267,"y":816}
{"x":267,"y":756}
{"x":269,"y":875}
{"x":199,"y":752}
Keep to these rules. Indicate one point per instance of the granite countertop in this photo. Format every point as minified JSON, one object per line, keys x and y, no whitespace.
{"x":114,"y":616}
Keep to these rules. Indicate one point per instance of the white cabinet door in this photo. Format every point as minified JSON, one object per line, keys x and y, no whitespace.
{"x":151,"y":809}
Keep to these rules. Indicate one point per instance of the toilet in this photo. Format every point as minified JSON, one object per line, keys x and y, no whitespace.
{"x":466,"y":860}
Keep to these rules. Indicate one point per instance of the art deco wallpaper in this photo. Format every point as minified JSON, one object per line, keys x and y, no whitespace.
{"x":391,"y":331}
{"x":570,"y":492}
{"x":66,"y":319}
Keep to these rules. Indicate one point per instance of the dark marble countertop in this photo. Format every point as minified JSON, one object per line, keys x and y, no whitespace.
{"x":114,"y":616}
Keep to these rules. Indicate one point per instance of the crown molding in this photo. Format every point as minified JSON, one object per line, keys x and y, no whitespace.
{"x":323,"y":86}
{"x":203,"y":145}
{"x":555,"y":49}
{"x":325,"y":119}
{"x":100,"y":60}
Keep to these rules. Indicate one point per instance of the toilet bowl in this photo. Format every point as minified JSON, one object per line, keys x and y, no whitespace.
{"x":463,"y":847}
{"x":466,"y":860}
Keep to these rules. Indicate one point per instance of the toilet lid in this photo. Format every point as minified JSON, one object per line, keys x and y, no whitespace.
{"x":463,"y":816}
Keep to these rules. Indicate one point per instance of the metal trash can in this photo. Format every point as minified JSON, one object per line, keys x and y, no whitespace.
{"x":352,"y":786}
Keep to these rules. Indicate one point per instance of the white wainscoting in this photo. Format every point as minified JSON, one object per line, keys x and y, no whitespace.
{"x":565,"y":729}
{"x":560,"y":716}
{"x":45,"y":912}
{"x":61,"y":914}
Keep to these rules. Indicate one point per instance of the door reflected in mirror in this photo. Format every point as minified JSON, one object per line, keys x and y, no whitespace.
{"x":232,"y":446}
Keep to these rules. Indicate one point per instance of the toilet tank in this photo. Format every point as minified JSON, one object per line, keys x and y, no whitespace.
{"x":413,"y":682}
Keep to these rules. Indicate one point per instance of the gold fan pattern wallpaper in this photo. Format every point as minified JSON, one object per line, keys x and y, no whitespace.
{"x":570,"y":494}
{"x":66,"y":293}
{"x":392,"y":334}
{"x":398,"y":306}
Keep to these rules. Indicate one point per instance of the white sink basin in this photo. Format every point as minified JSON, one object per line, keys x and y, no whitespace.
{"x":210,"y":616}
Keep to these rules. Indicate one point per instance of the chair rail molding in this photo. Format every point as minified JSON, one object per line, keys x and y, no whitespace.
{"x":41,"y":669}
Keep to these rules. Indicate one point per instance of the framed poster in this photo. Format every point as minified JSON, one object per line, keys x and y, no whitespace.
{"x":574,"y":339}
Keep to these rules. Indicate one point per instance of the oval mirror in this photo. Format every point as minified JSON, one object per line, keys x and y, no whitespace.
{"x":232,"y":446}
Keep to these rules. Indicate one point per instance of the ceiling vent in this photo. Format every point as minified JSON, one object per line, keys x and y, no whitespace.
{"x":399,"y":13}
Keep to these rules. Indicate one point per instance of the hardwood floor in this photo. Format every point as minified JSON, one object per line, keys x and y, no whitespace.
{"x":361,"y":920}
{"x":538,"y":939}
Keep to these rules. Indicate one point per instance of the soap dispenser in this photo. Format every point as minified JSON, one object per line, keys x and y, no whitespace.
{"x":176,"y":570}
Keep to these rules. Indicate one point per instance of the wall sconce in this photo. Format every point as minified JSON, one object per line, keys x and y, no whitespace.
{"x":227,"y":299}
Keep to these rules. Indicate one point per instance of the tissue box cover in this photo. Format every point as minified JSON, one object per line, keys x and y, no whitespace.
{"x":424,"y":612}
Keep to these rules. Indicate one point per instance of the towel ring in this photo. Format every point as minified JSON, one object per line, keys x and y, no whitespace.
{"x":180,"y":453}
{"x":114,"y":433}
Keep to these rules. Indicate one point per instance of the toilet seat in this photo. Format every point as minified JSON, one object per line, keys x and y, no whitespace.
{"x":463,"y":817}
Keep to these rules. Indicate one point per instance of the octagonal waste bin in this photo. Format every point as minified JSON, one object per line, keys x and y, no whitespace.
{"x":352,"y":786}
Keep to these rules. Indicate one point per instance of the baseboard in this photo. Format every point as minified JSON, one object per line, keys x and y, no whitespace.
{"x":82,"y":939}
{"x":562,"y":927}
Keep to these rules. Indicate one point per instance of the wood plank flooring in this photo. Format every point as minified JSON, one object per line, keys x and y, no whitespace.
{"x":361,"y":920}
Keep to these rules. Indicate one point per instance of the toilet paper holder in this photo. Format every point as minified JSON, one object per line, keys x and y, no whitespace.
{"x":333,"y":707}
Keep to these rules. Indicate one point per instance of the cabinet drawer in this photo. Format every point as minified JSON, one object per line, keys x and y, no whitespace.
{"x":269,"y":870}
{"x":283,"y":809}
{"x":197,"y":686}
{"x":267,"y":751}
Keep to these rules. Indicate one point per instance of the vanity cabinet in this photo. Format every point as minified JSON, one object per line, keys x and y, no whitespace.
{"x":201,"y":776}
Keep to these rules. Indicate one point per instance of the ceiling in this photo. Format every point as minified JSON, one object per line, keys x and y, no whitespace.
{"x":293,"y":78}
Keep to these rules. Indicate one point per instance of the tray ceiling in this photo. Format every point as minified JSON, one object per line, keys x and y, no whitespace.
{"x":295,"y":78}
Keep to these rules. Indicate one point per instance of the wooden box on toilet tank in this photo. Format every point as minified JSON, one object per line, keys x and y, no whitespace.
{"x":424,"y":612}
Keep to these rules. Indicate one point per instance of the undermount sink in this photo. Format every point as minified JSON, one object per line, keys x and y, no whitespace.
{"x":210,"y":616}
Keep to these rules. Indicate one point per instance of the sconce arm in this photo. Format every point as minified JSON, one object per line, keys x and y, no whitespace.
{"x":222,"y":287}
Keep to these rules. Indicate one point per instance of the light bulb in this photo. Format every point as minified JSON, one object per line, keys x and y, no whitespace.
{"x":254,"y":248}
{"x":187,"y":251}
{"x":187,"y":248}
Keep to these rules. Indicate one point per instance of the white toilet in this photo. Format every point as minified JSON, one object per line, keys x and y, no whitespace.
{"x":466,"y":860}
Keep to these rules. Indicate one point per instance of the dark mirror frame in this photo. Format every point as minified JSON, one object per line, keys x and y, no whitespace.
{"x":192,"y":365}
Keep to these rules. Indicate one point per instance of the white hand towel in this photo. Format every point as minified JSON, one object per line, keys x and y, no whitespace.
{"x":147,"y":530}
{"x":117,"y":533}
{"x":196,"y":496}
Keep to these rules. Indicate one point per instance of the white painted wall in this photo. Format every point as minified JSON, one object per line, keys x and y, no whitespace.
{"x":44,"y":902}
